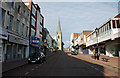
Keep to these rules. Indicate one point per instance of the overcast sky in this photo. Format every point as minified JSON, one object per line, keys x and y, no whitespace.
{"x":76,"y":16}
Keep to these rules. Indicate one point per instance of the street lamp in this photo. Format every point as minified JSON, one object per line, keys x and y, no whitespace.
{"x":97,"y":42}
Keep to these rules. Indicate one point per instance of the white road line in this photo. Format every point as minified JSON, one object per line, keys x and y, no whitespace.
{"x":26,"y":73}
{"x":32,"y":69}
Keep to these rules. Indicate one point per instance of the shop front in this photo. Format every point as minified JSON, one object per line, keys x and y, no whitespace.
{"x":35,"y":45}
{"x":17,"y":48}
{"x":3,"y":43}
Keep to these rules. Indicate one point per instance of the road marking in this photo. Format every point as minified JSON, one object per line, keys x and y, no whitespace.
{"x":32,"y":69}
{"x":26,"y":73}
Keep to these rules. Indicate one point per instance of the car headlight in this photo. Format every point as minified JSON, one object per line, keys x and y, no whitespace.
{"x":38,"y":58}
{"x":28,"y":58}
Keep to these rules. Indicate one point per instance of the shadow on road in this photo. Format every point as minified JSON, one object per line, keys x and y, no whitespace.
{"x":60,"y":64}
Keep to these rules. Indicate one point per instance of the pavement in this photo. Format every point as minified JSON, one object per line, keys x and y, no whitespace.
{"x":6,"y":66}
{"x":113,"y":61}
{"x":63,"y":64}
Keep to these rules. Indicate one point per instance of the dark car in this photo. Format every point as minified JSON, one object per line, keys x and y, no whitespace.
{"x":74,"y":53}
{"x":36,"y":58}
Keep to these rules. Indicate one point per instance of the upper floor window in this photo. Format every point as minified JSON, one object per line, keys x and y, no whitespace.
{"x":114,"y":26}
{"x":19,"y":9}
{"x":33,"y":10}
{"x":26,"y":31}
{"x":10,"y":22}
{"x":41,"y":20}
{"x":33,"y":21}
{"x":22,"y":29}
{"x":118,"y":23}
{"x":41,"y":29}
{"x":17,"y":25}
{"x":32,"y":32}
{"x":12,"y":4}
{"x":109,"y":25}
{"x":2,"y":17}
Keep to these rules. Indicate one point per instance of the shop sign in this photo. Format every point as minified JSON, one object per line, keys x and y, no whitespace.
{"x":35,"y":40}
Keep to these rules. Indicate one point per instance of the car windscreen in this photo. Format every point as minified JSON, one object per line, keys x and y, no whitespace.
{"x":35,"y":54}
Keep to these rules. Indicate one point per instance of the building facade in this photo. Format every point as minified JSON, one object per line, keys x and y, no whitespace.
{"x":73,"y":38}
{"x":14,"y":30}
{"x":14,"y":33}
{"x":36,"y":28}
{"x":106,"y":39}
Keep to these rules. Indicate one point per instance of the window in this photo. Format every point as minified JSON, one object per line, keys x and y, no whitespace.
{"x":33,"y":21}
{"x":109,"y":25}
{"x":26,"y":31}
{"x":17,"y":26}
{"x":118,"y":23}
{"x":33,"y":10}
{"x":19,"y":52}
{"x":41,"y":19}
{"x":22,"y":29}
{"x":32,"y":33}
{"x":41,"y":29}
{"x":10,"y":22}
{"x":19,"y":9}
{"x":12,"y":4}
{"x":15,"y":51}
{"x":114,"y":24}
{"x":2,"y":17}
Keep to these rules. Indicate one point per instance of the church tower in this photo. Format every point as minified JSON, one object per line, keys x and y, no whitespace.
{"x":59,"y":36}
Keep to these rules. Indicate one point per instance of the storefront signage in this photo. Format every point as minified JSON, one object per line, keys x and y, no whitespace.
{"x":35,"y":40}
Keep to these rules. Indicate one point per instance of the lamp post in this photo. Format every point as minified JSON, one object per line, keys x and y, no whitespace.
{"x":97,"y":43}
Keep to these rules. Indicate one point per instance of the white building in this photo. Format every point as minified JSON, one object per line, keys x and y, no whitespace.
{"x":106,"y":38}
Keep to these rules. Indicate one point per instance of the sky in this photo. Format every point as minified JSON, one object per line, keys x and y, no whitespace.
{"x":76,"y":16}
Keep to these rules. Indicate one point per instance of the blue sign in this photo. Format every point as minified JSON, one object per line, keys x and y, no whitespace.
{"x":35,"y":40}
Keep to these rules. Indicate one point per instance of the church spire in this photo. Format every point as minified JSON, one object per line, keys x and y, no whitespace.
{"x":59,"y":28}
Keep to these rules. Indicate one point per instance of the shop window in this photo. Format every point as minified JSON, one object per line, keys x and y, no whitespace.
{"x":14,"y":51}
{"x":9,"y":52}
{"x":24,"y":52}
{"x":19,"y":52}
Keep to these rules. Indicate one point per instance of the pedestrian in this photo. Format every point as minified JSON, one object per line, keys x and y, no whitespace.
{"x":98,"y":56}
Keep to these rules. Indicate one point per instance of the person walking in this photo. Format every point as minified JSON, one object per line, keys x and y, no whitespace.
{"x":98,"y":55}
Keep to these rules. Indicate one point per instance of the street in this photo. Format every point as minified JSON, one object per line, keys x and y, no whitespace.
{"x":60,"y":64}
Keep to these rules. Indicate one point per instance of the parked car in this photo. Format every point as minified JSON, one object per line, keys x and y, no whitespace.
{"x":74,"y":53}
{"x":36,"y":58}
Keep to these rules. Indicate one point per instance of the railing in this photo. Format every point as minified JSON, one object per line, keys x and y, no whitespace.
{"x":108,"y":35}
